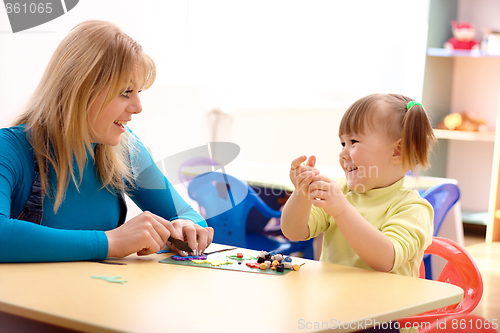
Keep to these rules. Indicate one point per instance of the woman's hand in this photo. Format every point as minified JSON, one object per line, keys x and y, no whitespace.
{"x":197,"y":237}
{"x":148,"y":233}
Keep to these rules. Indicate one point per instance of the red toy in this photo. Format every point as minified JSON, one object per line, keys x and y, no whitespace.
{"x":463,"y":37}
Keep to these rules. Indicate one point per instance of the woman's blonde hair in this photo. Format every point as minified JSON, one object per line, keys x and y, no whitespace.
{"x":95,"y":57}
{"x":389,"y":113}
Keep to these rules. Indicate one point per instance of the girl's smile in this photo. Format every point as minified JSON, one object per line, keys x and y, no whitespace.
{"x":369,"y":160}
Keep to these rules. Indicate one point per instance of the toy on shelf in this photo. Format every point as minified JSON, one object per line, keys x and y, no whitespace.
{"x":462,"y":122}
{"x":463,"y":37}
{"x":491,"y":41}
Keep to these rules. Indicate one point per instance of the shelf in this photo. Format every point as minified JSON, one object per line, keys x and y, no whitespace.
{"x":436,"y":52}
{"x":465,"y":136}
{"x":479,"y":218}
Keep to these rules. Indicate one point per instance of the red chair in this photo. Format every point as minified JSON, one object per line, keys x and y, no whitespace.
{"x":462,"y":323}
{"x":461,"y":271}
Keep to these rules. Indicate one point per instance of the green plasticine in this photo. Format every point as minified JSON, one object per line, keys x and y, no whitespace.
{"x":110,"y":278}
{"x":235,"y":257}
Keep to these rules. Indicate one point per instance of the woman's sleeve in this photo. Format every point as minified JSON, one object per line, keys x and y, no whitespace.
{"x":153,"y":192}
{"x":22,"y":241}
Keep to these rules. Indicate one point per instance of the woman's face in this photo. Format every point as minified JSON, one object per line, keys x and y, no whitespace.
{"x":109,"y":124}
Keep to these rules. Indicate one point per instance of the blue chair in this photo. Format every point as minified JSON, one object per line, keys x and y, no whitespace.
{"x":442,"y":197}
{"x":227,"y":202}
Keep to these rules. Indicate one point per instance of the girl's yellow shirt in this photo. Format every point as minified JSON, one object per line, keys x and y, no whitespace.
{"x":400,"y":213}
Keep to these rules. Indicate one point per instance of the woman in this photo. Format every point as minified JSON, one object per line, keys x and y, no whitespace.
{"x":66,"y":163}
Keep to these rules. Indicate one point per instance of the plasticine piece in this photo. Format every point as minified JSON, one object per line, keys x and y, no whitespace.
{"x":181,"y":258}
{"x":253,"y":264}
{"x":163,"y":251}
{"x":263,"y":266}
{"x":262,"y":254}
{"x":110,"y":278}
{"x":236,"y":257}
{"x":296,"y":267}
{"x":212,"y":262}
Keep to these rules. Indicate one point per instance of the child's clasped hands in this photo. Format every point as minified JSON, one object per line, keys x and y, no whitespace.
{"x":311,"y":184}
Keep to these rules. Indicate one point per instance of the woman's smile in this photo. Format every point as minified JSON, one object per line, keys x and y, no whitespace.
{"x":110,"y":124}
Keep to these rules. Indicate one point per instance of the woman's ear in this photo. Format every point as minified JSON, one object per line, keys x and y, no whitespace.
{"x":397,"y":154}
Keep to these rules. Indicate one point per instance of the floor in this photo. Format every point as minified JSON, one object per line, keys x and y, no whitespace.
{"x":487,"y":258}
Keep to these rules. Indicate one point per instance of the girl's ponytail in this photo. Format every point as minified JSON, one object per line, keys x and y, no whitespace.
{"x":416,"y":138}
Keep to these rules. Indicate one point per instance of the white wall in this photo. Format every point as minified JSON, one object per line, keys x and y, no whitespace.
{"x":283,"y":71}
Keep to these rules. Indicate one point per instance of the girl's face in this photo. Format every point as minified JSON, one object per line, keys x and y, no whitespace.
{"x":370,"y":160}
{"x":110,"y":124}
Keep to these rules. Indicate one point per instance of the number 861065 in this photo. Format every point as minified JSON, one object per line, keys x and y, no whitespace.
{"x":471,"y":324}
{"x":28,"y":8}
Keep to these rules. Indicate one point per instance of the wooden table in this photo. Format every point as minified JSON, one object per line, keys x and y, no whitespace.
{"x":171,"y":298}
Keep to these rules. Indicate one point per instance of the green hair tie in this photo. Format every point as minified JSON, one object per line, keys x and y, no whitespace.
{"x":412,"y":103}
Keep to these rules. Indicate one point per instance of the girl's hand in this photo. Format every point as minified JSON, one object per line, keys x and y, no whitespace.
{"x":148,"y":233}
{"x":327,"y":194}
{"x":302,"y":174}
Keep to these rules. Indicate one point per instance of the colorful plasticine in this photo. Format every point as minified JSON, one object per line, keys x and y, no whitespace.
{"x":181,"y":258}
{"x":274,"y":261}
{"x":264,"y":262}
{"x":253,"y":264}
{"x":238,"y":257}
{"x":212,"y":262}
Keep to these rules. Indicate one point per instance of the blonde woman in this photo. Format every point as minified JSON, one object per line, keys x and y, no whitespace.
{"x":69,"y":158}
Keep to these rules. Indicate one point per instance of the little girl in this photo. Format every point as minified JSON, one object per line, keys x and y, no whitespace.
{"x":370,"y":219}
